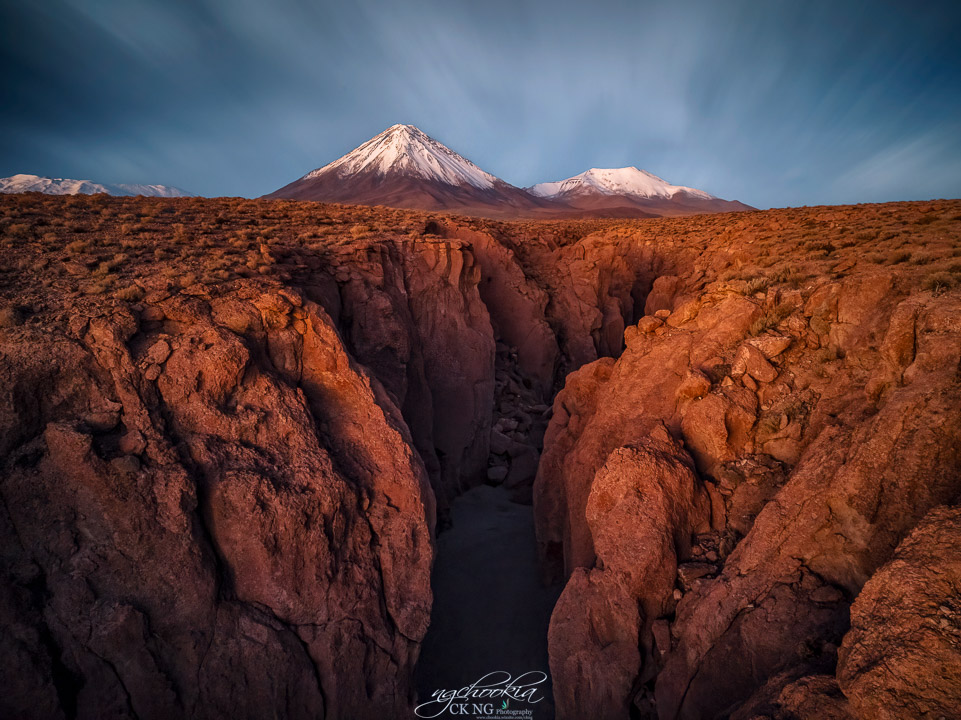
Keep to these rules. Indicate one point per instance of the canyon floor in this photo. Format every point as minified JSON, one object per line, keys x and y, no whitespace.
{"x":491,"y":610}
{"x":239,"y":437}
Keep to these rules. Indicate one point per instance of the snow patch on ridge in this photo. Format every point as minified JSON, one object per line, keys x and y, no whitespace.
{"x":406,"y":150}
{"x":627,"y":181}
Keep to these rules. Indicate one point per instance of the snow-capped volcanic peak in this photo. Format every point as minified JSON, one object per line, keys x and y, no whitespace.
{"x":405,"y":150}
{"x":65,"y":186}
{"x":627,"y":181}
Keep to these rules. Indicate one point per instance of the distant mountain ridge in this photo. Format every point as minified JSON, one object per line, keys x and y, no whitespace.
{"x":405,"y":167}
{"x":601,"y":188}
{"x":627,"y":181}
{"x":65,"y":186}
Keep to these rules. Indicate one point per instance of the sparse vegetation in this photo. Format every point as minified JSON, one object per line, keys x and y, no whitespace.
{"x":10,"y":316}
{"x":67,"y":249}
{"x":131,"y":293}
{"x":757,"y":284}
{"x":770,"y":319}
{"x":787,"y":276}
{"x":939,"y":282}
{"x":19,"y":231}
{"x":360,"y":231}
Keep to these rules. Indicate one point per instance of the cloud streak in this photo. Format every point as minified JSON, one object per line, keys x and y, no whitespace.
{"x":770,"y":102}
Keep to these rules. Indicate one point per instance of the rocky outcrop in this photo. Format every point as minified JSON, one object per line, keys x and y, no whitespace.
{"x":225,"y":455}
{"x":814,"y":472}
{"x":644,"y":506}
{"x":228,"y":489}
{"x":603,"y":406}
{"x":413,"y":315}
{"x":517,"y":307}
{"x":900,"y":659}
{"x":247,"y":473}
{"x":789,"y":697}
{"x":902,"y":656}
{"x":595,"y":287}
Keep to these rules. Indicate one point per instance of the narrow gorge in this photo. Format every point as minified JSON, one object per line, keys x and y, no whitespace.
{"x":238,"y":436}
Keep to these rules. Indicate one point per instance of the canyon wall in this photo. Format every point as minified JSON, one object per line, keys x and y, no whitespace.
{"x":193,"y":498}
{"x":222,"y":475}
{"x":202,"y":486}
{"x":823,"y":424}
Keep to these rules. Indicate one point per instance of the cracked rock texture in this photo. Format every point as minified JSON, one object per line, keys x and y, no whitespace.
{"x":813,"y":478}
{"x":220,"y":498}
{"x":230,"y":431}
{"x":905,"y":623}
{"x":256,"y":505}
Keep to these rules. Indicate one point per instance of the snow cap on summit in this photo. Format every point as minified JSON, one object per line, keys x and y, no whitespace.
{"x":406,"y":150}
{"x":616,"y":181}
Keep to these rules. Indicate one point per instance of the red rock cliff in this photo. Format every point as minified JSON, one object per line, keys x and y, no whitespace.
{"x":228,"y":430}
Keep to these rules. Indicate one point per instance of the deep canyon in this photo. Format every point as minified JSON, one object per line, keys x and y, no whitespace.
{"x":234,"y":435}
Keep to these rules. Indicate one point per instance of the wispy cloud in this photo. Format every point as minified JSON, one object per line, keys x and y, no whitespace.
{"x":774,"y":103}
{"x":909,"y":169}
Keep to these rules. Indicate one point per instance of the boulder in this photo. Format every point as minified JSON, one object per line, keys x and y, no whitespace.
{"x":752,"y":361}
{"x":644,"y":506}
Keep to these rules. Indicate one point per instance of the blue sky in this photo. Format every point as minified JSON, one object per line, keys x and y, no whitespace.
{"x":771,"y":102}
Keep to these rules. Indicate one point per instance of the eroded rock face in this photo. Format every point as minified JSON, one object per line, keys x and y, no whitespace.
{"x":606,"y":405}
{"x":257,"y":502}
{"x":902,"y":656}
{"x":813,"y":480}
{"x":414,"y":316}
{"x":788,"y":697}
{"x":248,"y":475}
{"x":517,"y":306}
{"x":644,"y":506}
{"x":220,"y":497}
{"x":900,"y":659}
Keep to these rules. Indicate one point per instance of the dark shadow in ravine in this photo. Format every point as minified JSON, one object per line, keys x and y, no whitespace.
{"x":491,"y":611}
